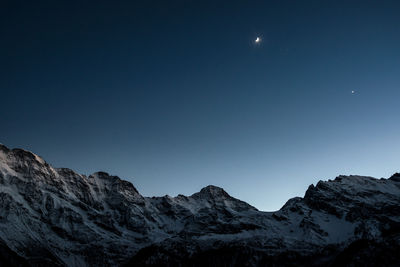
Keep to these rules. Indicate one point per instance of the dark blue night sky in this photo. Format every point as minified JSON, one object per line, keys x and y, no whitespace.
{"x":175,"y":95}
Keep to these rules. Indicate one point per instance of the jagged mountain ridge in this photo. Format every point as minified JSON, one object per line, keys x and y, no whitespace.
{"x":55,"y":216}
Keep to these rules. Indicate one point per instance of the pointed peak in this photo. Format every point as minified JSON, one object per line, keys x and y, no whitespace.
{"x":26,"y":155}
{"x":212,"y":191}
{"x":212,"y":188}
{"x":22,"y":154}
{"x":395,"y":177}
{"x":4,"y":148}
{"x":219,"y":196}
{"x":113,"y":180}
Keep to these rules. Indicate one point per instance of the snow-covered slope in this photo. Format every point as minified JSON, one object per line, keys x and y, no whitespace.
{"x":51,"y":216}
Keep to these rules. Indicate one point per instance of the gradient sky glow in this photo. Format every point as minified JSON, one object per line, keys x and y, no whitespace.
{"x":175,"y":95}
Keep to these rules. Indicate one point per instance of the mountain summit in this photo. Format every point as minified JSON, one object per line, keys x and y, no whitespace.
{"x":57,"y":217}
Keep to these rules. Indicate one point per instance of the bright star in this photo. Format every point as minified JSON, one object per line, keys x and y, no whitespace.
{"x":258,"y":40}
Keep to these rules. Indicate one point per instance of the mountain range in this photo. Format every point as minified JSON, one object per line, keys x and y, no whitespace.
{"x":57,"y":217}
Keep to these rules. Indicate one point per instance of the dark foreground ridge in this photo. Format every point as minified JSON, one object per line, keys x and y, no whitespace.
{"x":57,"y":217}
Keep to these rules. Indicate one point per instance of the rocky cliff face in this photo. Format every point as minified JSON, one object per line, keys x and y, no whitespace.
{"x":51,"y":216}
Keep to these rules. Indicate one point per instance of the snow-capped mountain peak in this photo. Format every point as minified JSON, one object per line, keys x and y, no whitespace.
{"x":100,"y":219}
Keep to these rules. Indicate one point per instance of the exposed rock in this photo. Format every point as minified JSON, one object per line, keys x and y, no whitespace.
{"x":55,"y":216}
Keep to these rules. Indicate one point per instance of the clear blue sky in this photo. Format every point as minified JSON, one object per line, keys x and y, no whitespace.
{"x":174,"y":95}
